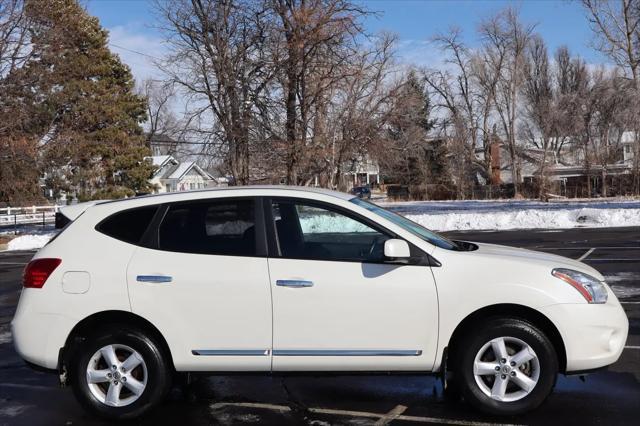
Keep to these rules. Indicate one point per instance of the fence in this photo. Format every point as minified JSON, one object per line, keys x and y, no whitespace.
{"x":34,"y":215}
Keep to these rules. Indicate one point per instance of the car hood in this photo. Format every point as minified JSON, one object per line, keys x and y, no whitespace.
{"x":519,"y":254}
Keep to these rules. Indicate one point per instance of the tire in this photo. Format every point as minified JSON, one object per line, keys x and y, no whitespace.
{"x":518,"y":386}
{"x":136,"y":390}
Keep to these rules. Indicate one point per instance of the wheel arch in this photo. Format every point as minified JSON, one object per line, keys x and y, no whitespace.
{"x":512,"y":311}
{"x":99,"y":319}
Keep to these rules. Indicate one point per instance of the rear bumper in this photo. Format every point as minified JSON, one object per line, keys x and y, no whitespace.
{"x":594,"y":335}
{"x":39,"y":337}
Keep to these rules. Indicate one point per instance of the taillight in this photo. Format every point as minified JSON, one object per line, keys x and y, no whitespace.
{"x":37,"y":272}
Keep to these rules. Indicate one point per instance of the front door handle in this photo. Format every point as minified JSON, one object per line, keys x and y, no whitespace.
{"x":294,"y":283}
{"x":154,"y":278}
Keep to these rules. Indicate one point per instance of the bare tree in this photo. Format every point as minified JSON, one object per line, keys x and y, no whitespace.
{"x":507,"y":29}
{"x":572,"y":85}
{"x":161,"y":120}
{"x":221,"y":60}
{"x":616,"y":24}
{"x":13,"y":36}
{"x":456,"y":93}
{"x":611,"y":97}
{"x":617,"y":28}
{"x":317,"y":38}
{"x":541,"y":124}
{"x":359,"y":108}
{"x":488,"y":66}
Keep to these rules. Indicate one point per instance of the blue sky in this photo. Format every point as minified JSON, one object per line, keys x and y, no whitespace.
{"x":131,"y":24}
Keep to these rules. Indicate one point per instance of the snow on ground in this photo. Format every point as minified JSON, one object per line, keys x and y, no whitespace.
{"x":30,"y":241}
{"x":460,"y":216}
{"x":501,"y":215}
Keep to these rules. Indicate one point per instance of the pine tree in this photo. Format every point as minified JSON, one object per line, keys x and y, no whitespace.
{"x":413,"y":159}
{"x":86,"y":115}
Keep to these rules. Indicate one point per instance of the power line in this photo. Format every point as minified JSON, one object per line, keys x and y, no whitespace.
{"x":134,"y":51}
{"x":181,"y":143}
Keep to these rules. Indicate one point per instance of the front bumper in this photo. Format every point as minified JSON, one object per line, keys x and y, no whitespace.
{"x":594,"y":335}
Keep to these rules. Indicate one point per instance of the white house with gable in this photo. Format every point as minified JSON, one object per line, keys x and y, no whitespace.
{"x":173,"y":175}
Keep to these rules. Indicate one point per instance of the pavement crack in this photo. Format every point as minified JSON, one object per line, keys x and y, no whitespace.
{"x":297,"y":406}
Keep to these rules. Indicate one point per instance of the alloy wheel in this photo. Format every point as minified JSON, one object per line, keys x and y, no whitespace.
{"x":117,"y":375}
{"x":506,"y":369}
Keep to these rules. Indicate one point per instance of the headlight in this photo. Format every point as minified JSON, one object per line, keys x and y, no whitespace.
{"x":589,"y":287}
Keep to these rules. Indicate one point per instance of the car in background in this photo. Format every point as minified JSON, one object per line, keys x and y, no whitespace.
{"x":134,"y":293}
{"x":361,"y":192}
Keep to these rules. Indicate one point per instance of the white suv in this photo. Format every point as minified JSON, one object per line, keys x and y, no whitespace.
{"x":279,"y":279}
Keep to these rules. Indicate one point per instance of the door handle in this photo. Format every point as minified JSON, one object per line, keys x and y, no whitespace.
{"x":294,"y":283}
{"x":154,"y":278}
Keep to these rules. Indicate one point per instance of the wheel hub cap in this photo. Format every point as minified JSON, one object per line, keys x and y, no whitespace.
{"x":116,"y":375}
{"x":506,"y":369}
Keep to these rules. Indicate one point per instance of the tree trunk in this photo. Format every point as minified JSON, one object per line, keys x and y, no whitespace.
{"x":292,"y":155}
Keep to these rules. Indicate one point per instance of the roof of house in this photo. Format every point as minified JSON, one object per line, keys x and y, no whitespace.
{"x":177,"y":170}
{"x":181,"y":170}
{"x":160,"y":160}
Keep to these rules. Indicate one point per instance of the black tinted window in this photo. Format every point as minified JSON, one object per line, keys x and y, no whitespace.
{"x":128,"y":225}
{"x":224,"y":227}
{"x":309,"y":231}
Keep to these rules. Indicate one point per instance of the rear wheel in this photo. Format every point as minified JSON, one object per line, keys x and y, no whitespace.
{"x":508,"y":367}
{"x":119,"y":373}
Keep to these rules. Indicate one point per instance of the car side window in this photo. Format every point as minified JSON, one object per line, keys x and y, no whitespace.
{"x":221,"y":227}
{"x":315,"y":232}
{"x":128,"y":225}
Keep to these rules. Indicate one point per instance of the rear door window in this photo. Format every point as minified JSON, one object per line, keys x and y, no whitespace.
{"x":221,"y":227}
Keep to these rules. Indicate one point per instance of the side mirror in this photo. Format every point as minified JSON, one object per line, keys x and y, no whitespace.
{"x":396,"y":249}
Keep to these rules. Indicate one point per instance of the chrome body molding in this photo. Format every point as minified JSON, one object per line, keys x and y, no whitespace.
{"x":231,"y":352}
{"x":348,"y":352}
{"x":304,"y":352}
{"x":154,"y":279}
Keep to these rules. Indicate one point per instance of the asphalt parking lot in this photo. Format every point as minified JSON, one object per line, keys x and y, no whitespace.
{"x":608,"y":397}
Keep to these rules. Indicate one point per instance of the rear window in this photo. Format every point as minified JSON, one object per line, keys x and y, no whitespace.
{"x":128,"y":225}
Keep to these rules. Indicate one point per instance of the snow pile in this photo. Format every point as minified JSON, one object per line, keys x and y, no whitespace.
{"x":235,"y":227}
{"x":330,"y":223}
{"x":467,"y":215}
{"x":30,"y":242}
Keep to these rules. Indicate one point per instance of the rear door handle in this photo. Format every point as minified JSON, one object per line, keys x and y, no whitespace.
{"x":154,"y":278}
{"x":294,"y":283}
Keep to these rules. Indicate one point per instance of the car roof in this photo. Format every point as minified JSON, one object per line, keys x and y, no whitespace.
{"x":315,"y":190}
{"x":75,"y":210}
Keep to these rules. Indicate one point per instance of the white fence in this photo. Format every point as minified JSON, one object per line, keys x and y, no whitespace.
{"x":28,"y":215}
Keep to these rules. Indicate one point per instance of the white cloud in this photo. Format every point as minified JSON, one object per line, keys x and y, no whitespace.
{"x":420,"y":53}
{"x":138,"y":48}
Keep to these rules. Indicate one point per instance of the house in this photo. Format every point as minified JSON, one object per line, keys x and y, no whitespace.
{"x":628,"y":142}
{"x":173,"y":175}
{"x":361,"y":171}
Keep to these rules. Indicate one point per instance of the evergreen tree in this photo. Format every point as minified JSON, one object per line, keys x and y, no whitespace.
{"x":413,"y":159}
{"x":85,"y":115}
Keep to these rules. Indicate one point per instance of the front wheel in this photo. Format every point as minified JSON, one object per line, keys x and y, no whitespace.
{"x":119,"y":373}
{"x":508,"y":367}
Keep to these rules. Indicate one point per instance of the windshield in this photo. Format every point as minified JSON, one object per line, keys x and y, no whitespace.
{"x":404,"y":223}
